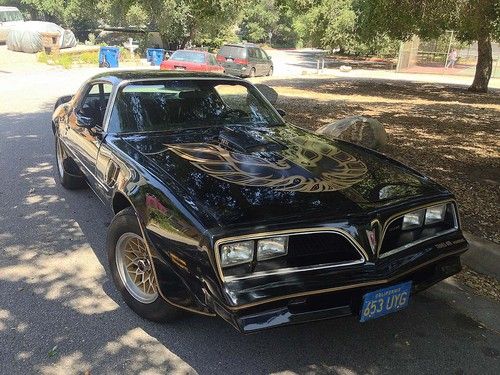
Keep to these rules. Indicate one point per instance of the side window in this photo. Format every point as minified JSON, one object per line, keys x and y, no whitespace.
{"x":233,"y":96}
{"x":95,"y":102}
{"x":211,"y":60}
{"x":263,"y":54}
{"x":252,"y":53}
{"x":243,"y":104}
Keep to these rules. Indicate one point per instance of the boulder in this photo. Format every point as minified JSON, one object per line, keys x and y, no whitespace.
{"x":361,"y":130}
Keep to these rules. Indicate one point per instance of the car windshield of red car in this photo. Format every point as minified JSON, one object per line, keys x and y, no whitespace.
{"x":188,"y":56}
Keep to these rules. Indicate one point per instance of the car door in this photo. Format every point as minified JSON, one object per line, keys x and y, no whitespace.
{"x":85,"y":129}
{"x":212,"y":64}
{"x":266,"y":62}
{"x":253,"y":61}
{"x":258,"y":62}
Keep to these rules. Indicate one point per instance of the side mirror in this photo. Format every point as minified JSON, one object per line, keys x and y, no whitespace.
{"x":268,"y":92}
{"x":281,"y":112}
{"x":269,"y":58}
{"x":85,"y":121}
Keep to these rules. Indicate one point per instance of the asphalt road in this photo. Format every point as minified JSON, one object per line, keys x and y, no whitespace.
{"x":55,"y":288}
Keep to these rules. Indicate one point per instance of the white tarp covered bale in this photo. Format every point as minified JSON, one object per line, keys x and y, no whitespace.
{"x":27,"y":37}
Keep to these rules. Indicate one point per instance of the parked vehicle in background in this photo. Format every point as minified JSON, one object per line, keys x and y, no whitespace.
{"x":245,"y":60}
{"x":9,"y":16}
{"x":194,"y":61}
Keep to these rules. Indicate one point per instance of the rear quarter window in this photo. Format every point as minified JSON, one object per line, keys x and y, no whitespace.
{"x":233,"y":51}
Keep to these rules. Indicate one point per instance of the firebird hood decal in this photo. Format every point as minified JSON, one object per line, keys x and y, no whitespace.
{"x":290,"y":170}
{"x":235,"y":174}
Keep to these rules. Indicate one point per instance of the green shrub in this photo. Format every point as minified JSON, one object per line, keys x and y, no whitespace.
{"x":66,"y":61}
{"x":42,"y":57}
{"x":89,"y":57}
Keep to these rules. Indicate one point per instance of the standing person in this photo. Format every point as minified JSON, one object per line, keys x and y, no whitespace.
{"x":452,"y":58}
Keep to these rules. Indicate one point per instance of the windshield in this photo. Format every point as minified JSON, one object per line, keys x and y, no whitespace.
{"x":182,"y":104}
{"x":197,"y":57}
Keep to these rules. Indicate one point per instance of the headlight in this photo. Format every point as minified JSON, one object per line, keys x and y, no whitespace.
{"x":236,"y":253}
{"x":272,"y":247}
{"x":413,"y":220}
{"x":435,"y":214}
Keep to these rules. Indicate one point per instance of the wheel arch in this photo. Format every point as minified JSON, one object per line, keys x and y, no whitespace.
{"x":163,"y":268}
{"x":120,"y":202}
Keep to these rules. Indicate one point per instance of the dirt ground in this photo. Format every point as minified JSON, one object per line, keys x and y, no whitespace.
{"x":442,"y":130}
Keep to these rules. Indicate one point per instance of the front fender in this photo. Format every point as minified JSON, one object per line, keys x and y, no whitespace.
{"x":180,"y":257}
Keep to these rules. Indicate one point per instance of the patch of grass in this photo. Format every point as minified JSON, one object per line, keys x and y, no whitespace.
{"x":125,"y":55}
{"x":42,"y":57}
{"x":89,"y":57}
{"x":67,"y":60}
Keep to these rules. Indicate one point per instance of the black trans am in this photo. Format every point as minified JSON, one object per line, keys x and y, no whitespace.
{"x":222,"y":208}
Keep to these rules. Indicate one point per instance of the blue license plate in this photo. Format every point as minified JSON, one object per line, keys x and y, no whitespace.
{"x":385,"y":301}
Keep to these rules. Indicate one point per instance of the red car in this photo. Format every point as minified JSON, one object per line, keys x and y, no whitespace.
{"x":195,"y":61}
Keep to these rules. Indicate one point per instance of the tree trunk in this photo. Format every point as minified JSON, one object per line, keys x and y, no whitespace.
{"x":484,"y":64}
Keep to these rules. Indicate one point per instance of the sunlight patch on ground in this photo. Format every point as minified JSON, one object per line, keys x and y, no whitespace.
{"x":138,"y":352}
{"x":8,"y":321}
{"x":4,"y":317}
{"x":72,"y":277}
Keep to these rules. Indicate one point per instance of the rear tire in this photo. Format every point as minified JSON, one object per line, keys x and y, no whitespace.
{"x":132,"y":269}
{"x":69,"y":175}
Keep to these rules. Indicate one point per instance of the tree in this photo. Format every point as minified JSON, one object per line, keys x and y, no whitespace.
{"x":332,"y":24}
{"x":193,"y":21}
{"x":474,"y":20}
{"x":78,"y":14}
{"x":268,"y":21}
{"x":260,"y":17}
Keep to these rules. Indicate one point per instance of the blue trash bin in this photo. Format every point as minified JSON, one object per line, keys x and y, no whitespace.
{"x":155,"y":55}
{"x":108,"y":57}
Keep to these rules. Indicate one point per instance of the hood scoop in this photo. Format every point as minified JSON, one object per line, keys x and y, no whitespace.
{"x":247,"y":141}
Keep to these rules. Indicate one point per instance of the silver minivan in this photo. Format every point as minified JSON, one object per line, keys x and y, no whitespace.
{"x":9,"y":16}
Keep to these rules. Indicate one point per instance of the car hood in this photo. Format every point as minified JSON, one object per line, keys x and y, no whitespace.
{"x":238,"y":174}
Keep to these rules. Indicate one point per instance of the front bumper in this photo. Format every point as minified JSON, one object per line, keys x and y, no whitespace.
{"x":237,"y":72}
{"x":330,"y":305}
{"x":343,"y":298}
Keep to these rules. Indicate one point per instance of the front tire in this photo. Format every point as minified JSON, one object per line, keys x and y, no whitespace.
{"x":132,"y":269}
{"x":252,"y":73}
{"x":67,"y":171}
{"x":270,"y":73}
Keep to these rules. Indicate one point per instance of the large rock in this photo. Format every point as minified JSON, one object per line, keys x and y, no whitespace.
{"x":364,"y":131}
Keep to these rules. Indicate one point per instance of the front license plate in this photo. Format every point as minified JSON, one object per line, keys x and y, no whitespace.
{"x":385,"y":301}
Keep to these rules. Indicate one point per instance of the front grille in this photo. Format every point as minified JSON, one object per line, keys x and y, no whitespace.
{"x":306,"y":251}
{"x":320,"y":248}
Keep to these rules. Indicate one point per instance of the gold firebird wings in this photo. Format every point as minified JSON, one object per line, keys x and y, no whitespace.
{"x":287,"y":172}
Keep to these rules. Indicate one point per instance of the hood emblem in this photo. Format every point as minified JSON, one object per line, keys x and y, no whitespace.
{"x":307,"y":165}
